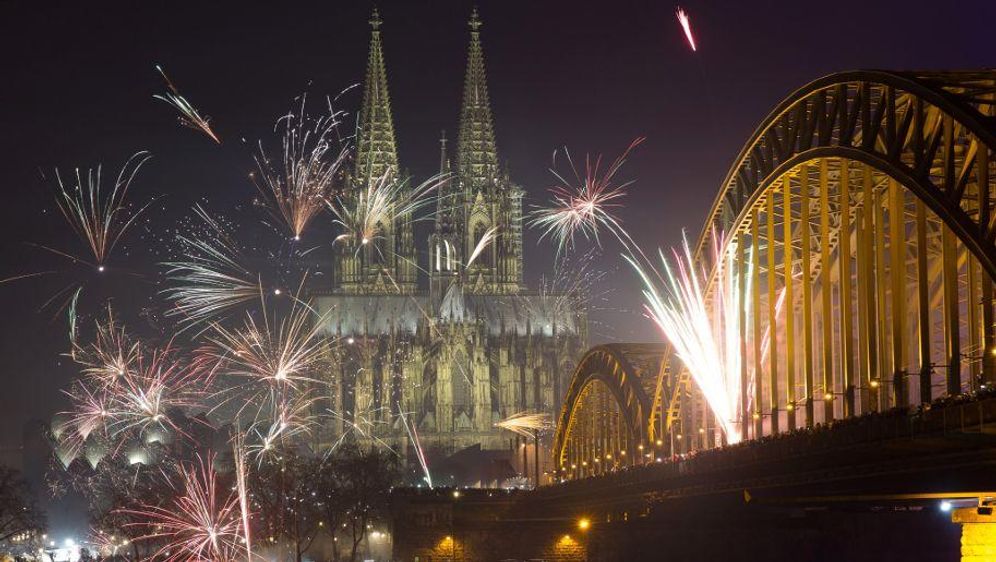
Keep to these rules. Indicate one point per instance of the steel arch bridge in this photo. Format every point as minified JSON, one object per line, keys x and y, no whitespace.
{"x":866,"y":201}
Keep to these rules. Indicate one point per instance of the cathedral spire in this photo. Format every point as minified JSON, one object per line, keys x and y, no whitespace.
{"x":444,"y":160}
{"x":477,"y":153}
{"x":376,"y":151}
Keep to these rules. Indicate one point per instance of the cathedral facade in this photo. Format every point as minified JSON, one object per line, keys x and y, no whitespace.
{"x":451,"y":348}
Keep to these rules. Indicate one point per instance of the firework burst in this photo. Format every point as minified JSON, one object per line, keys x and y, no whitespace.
{"x":278,"y":356}
{"x":365,"y":213}
{"x":201,"y":523}
{"x":363,"y":424}
{"x":98,"y":217}
{"x":211,"y":280}
{"x":159,"y":384}
{"x":92,"y":411}
{"x":585,"y":203}
{"x":297,"y":188}
{"x":708,"y":343}
{"x":189,"y":116}
{"x":568,"y":292}
{"x":284,"y":417}
{"x":107,"y":360}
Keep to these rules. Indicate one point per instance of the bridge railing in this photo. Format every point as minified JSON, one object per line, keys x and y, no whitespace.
{"x":969,"y":413}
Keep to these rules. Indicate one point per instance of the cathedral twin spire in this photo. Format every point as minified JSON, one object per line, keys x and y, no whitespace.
{"x":388,"y":264}
{"x":376,"y":150}
{"x":472,"y":202}
{"x":477,"y":153}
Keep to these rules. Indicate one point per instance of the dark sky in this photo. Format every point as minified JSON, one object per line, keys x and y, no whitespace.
{"x":78,"y":80}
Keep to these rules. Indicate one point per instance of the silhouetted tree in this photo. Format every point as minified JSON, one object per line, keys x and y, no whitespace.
{"x":283,"y":501}
{"x":20,"y":517}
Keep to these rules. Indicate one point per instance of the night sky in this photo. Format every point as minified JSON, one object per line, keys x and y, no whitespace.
{"x":78,"y":80}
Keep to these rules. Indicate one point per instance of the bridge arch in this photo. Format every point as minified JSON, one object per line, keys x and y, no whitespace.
{"x":861,"y":213}
{"x":924,"y":129}
{"x":611,"y":382}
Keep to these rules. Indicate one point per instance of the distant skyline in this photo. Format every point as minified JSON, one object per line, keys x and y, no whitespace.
{"x":80,"y":79}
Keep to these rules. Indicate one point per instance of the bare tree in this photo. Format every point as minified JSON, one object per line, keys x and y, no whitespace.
{"x":283,"y":502}
{"x":367,"y":479}
{"x":20,"y":518}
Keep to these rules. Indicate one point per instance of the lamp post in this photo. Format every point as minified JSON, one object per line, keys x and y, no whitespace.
{"x":536,"y":470}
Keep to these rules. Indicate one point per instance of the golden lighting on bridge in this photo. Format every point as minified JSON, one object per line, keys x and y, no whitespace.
{"x":865,"y":203}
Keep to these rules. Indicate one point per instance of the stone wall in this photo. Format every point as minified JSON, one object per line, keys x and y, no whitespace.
{"x":487,"y":526}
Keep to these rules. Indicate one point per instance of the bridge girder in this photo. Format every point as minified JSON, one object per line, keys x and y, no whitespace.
{"x":892,"y":171}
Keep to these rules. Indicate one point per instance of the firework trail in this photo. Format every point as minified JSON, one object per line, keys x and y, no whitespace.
{"x":281,"y":419}
{"x":417,"y":446}
{"x":298,"y":187}
{"x":241,"y":487}
{"x":201,"y":523}
{"x":707,"y":343}
{"x":527,"y":424}
{"x":98,"y":218}
{"x":73,"y":316}
{"x":686,"y":26}
{"x":585,"y":203}
{"x":568,"y":292}
{"x":486,"y":239}
{"x":364,"y":213}
{"x":211,"y":280}
{"x":362,"y":424}
{"x":189,"y":117}
{"x":765,"y":348}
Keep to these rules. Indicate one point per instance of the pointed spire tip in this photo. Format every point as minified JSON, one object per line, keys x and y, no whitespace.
{"x":475,"y":20}
{"x":375,"y":20}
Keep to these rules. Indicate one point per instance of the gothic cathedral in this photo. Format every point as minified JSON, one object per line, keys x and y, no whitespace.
{"x":456,"y":352}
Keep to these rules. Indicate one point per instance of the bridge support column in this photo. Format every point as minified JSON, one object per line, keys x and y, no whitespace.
{"x":978,"y":533}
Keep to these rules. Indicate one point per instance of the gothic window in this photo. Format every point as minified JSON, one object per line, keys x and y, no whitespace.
{"x":379,"y":251}
{"x":480,"y":229}
{"x":461,"y":375}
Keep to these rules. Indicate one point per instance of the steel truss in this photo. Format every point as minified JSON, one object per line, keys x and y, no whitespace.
{"x":865,"y":199}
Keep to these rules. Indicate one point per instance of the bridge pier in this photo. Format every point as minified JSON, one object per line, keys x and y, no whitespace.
{"x":978,"y":533}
